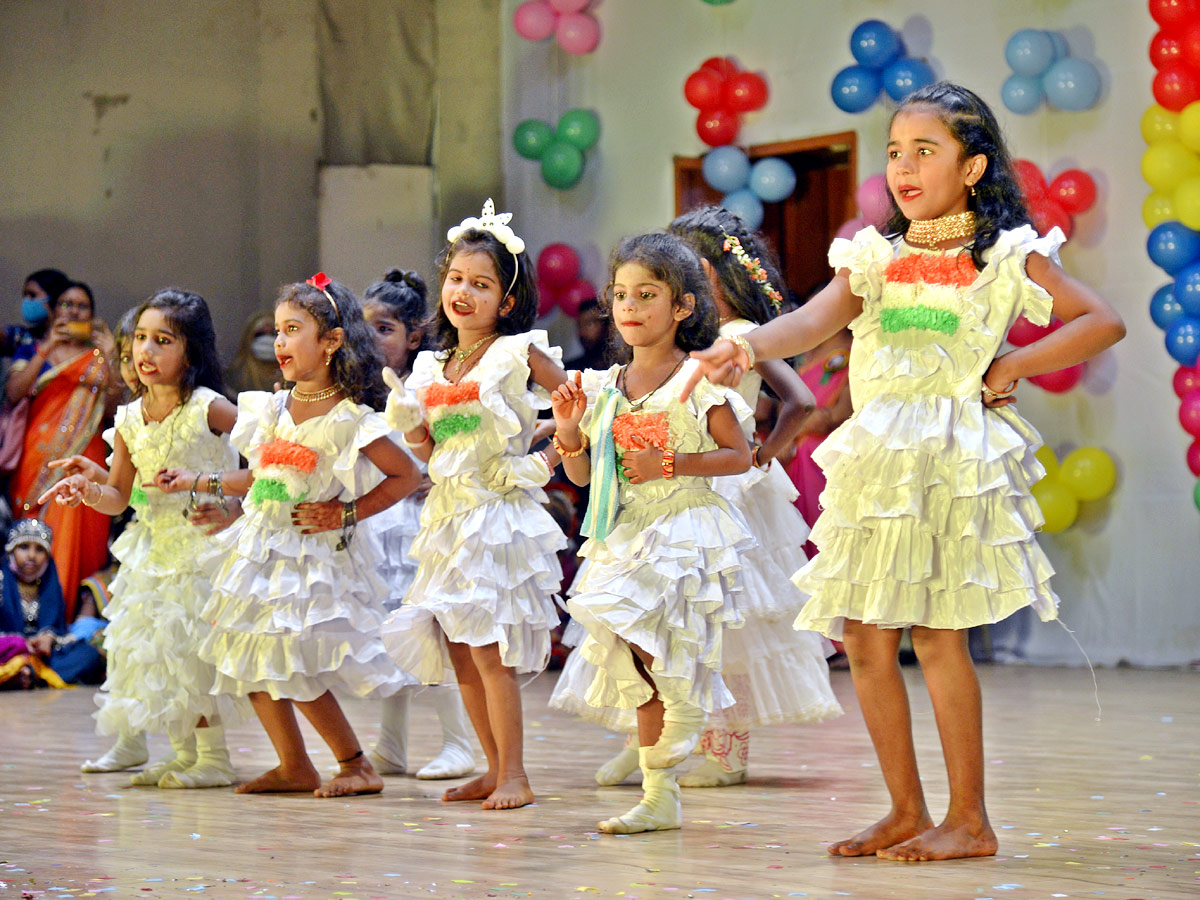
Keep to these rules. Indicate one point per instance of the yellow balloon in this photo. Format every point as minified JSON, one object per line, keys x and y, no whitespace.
{"x":1058,"y":505}
{"x":1168,"y":163}
{"x":1158,"y":208}
{"x":1089,"y":473}
{"x":1159,"y":124}
{"x":1188,"y":130}
{"x":1187,"y":202}
{"x":1048,"y":460}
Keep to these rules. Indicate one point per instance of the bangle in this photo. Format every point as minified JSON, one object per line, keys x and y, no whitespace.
{"x":668,"y":464}
{"x":569,"y":454}
{"x":192,"y":504}
{"x":413,"y":445}
{"x":1000,"y":395}
{"x":744,"y":345}
{"x":87,"y":492}
{"x":217,"y":489}
{"x":545,"y":459}
{"x":349,"y":521}
{"x":754,"y":457}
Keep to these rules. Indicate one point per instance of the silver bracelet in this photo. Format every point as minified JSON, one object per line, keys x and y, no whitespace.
{"x":349,"y":521}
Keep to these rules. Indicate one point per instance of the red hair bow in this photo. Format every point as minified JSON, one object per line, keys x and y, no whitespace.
{"x":320,"y":281}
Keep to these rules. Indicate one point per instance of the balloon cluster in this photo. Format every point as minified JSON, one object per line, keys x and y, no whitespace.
{"x":1175,"y":53}
{"x":880,"y":65}
{"x":559,"y":281}
{"x":577,"y":31}
{"x":1084,"y":475}
{"x":747,"y":186}
{"x":560,"y":150}
{"x":1024,"y":332}
{"x":1069,"y":194}
{"x":1043,"y":69}
{"x":722,"y":92}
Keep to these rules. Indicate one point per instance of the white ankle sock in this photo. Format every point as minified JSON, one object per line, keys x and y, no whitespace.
{"x":682,"y":723}
{"x":620,"y":766}
{"x":184,"y":755}
{"x":390,"y":754}
{"x":457,"y":756}
{"x":660,"y":809}
{"x":212,"y":767}
{"x":129,"y":751}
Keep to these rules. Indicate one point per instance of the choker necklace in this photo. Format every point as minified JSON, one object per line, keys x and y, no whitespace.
{"x":314,"y":396}
{"x":637,"y":406}
{"x":931,"y":232}
{"x":463,"y":353}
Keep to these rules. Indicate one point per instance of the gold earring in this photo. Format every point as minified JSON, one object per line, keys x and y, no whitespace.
{"x":328,"y":356}
{"x":972,"y":187}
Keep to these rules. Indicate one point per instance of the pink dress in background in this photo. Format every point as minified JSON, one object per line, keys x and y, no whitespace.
{"x":825,"y":377}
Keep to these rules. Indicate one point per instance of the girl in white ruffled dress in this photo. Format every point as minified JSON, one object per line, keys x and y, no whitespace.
{"x":156,"y":681}
{"x":395,"y":310}
{"x":481,"y":605}
{"x":295,"y":607}
{"x":928,"y":519}
{"x":661,"y":564}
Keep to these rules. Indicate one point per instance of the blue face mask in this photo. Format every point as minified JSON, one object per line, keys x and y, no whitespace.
{"x":34,"y":311}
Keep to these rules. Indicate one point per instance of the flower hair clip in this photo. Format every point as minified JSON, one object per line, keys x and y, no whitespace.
{"x":321,"y":282}
{"x":754,"y":266}
{"x":495,"y":224}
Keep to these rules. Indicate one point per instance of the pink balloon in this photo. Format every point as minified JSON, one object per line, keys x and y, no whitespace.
{"x":1189,"y":414}
{"x":569,"y":6}
{"x":557,"y":267}
{"x":1186,"y":380}
{"x":1025,"y":332}
{"x":534,"y":20}
{"x":572,"y":297}
{"x":547,"y":300}
{"x":873,"y":200}
{"x":1061,"y":381}
{"x":851,"y":227}
{"x":1193,"y":457}
{"x":578,"y":33}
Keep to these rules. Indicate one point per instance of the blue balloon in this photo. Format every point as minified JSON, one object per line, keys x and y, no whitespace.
{"x":1022,"y":94}
{"x":1030,"y":51}
{"x":1187,"y":290}
{"x":772,"y":179}
{"x":855,"y":88}
{"x":1172,"y":246}
{"x":746,"y":206}
{"x":1072,"y":84}
{"x":875,"y":44}
{"x":726,"y":168}
{"x":1183,"y":340}
{"x":1164,"y":308}
{"x":906,"y":75}
{"x":1061,"y":49}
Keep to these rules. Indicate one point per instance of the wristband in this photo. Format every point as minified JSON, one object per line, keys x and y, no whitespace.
{"x":569,"y":454}
{"x":421,"y":443}
{"x":668,"y":464}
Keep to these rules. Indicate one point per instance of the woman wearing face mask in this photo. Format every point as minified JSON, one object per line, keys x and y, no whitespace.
{"x":41,"y":288}
{"x":255,"y":367}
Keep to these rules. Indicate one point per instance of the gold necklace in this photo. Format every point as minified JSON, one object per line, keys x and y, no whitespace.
{"x":931,"y":232}
{"x":461,"y":355}
{"x":162,"y":418}
{"x":314,"y":396}
{"x":622,"y":378}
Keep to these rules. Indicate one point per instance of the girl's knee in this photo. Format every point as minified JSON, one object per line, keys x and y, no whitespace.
{"x":937,"y":644}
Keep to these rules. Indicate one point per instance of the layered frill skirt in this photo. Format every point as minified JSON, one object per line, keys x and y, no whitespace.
{"x":393,"y":532}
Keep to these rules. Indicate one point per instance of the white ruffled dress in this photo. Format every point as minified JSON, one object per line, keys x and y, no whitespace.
{"x":394,"y":530}
{"x":928,"y":517}
{"x":666,"y":579}
{"x":294,"y":616}
{"x":488,"y":549}
{"x":156,"y":680}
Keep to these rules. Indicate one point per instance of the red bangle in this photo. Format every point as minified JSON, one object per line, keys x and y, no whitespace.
{"x":668,"y":464}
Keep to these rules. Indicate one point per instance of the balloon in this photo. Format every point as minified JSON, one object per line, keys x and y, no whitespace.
{"x":855,"y":88}
{"x":1061,"y":48}
{"x":1196,"y":495}
{"x":875,"y":44}
{"x":569,"y":6}
{"x":746,"y":206}
{"x":1165,"y":49}
{"x":1172,"y":247}
{"x":1030,"y":180}
{"x":1167,"y":163}
{"x":1074,"y":190}
{"x":1193,"y":462}
{"x":1175,"y":86}
{"x":1164,"y":308}
{"x":1187,"y":202}
{"x":577,"y":33}
{"x":1030,"y":52}
{"x":1089,"y":473}
{"x":717,"y":127}
{"x":1183,"y":340}
{"x":1047,"y":214}
{"x":1187,"y":290}
{"x":1188,"y":126}
{"x":1158,"y":208}
{"x":532,"y":137}
{"x":580,"y":128}
{"x":1022,"y":94}
{"x":534,"y":20}
{"x":1189,"y":413}
{"x":1171,"y":13}
{"x":772,"y":179}
{"x":557,"y":267}
{"x":1188,"y":44}
{"x":704,"y":89}
{"x":1186,"y":380}
{"x":724,"y":66}
{"x":562,"y":165}
{"x":745,"y":92}
{"x":570,"y":299}
{"x":1061,"y":381}
{"x":1159,"y":124}
{"x":851,"y":227}
{"x":726,"y":169}
{"x":1058,"y":505}
{"x":1048,"y":460}
{"x":1072,"y":84}
{"x":906,"y":75}
{"x":873,"y":200}
{"x":1024,"y":332}
{"x":547,"y":300}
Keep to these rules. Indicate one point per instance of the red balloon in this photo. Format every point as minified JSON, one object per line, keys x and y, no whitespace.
{"x":1175,"y":86}
{"x":722,"y":65}
{"x":1030,"y":179}
{"x":557,"y":267}
{"x":1025,"y":332}
{"x":547,"y":300}
{"x":1172,"y":13}
{"x":1189,"y":44}
{"x":704,"y":89}
{"x":1189,"y":414}
{"x":1186,"y":380}
{"x":1074,"y":190}
{"x":1165,"y":49}
{"x":572,"y":297}
{"x":1193,"y":457}
{"x":1061,"y":381}
{"x":717,"y":127}
{"x":1047,"y":213}
{"x":745,"y":92}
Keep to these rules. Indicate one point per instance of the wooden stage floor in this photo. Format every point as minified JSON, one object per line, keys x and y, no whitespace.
{"x":1084,"y":809}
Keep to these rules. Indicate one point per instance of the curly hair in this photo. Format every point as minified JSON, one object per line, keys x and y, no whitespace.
{"x":356,"y":367}
{"x":189,"y":317}
{"x":997,"y":203}
{"x":669,"y":259}
{"x":705,"y":230}
{"x":517,"y":320}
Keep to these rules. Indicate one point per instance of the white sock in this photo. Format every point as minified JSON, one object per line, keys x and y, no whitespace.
{"x":660,"y":809}
{"x":212,"y":767}
{"x":457,"y":756}
{"x":129,"y":751}
{"x":183,"y":755}
{"x":682,"y":723}
{"x":621,"y":766}
{"x":390,"y":754}
{"x":725,"y":756}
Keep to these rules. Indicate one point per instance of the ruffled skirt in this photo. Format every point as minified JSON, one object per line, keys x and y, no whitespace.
{"x":393,"y":532}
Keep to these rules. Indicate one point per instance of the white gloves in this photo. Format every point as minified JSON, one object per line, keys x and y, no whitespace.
{"x":403,"y":411}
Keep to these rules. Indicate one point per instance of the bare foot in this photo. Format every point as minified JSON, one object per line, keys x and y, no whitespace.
{"x":476,"y":789}
{"x":887,"y":832}
{"x":512,"y":794}
{"x":946,"y":841}
{"x":281,"y":781}
{"x":355,"y":777}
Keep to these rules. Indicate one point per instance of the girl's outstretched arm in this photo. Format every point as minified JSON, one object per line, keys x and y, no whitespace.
{"x":796,"y":405}
{"x":110,"y":497}
{"x":544,"y":370}
{"x":568,"y":402}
